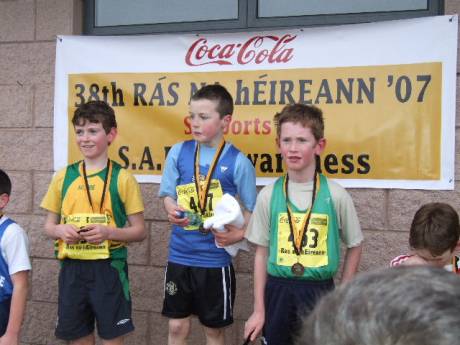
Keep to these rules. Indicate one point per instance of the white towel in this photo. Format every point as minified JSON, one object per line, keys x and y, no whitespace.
{"x":227,"y":211}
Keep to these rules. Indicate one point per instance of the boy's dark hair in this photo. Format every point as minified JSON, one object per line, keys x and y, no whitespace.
{"x":95,"y":112}
{"x":307,"y":115}
{"x":435,"y":227}
{"x":5,"y":183}
{"x":216,"y":92}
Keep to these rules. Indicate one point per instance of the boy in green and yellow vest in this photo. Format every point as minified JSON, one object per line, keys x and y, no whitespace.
{"x":297,"y":225}
{"x":94,"y":208}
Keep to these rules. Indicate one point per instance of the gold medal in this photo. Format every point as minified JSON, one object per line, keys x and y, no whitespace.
{"x":297,"y":269}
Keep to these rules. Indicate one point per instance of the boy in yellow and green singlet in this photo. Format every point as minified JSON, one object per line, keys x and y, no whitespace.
{"x":94,"y":208}
{"x":296,"y":225}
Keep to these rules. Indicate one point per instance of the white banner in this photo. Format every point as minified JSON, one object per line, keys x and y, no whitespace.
{"x":387,"y":91}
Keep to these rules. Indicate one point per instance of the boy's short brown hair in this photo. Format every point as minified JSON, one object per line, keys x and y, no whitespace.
{"x":95,"y":112}
{"x":218,"y":93}
{"x":5,"y":183}
{"x":307,"y":115}
{"x":435,"y":228}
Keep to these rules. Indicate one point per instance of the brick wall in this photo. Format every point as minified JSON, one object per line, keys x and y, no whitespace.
{"x":27,"y":52}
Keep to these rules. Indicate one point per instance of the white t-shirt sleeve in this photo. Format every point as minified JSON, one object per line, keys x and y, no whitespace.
{"x":15,"y":249}
{"x":258,"y":229}
{"x":350,"y":229}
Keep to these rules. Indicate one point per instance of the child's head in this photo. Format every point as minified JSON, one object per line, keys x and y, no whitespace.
{"x":218,"y":94}
{"x":95,"y":112}
{"x":5,"y":189}
{"x":300,"y":138}
{"x":434,"y":233}
{"x":308,"y":116}
{"x":210,"y":110}
{"x":95,"y":129}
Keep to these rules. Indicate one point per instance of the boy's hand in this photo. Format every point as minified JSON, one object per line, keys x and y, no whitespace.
{"x":174,"y":218}
{"x":254,"y":325}
{"x":95,"y":233}
{"x":9,"y":339}
{"x":68,"y":233}
{"x":228,"y":237}
{"x":414,"y":260}
{"x":173,"y":210}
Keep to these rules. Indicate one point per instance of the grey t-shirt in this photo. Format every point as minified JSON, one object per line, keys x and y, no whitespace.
{"x":258,"y":230}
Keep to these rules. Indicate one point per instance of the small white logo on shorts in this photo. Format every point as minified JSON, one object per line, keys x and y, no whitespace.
{"x":223,"y":168}
{"x":122,"y":322}
{"x":171,"y":288}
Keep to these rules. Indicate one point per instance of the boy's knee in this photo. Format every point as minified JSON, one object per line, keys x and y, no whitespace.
{"x":115,"y":341}
{"x":86,"y":340}
{"x":214,"y":332}
{"x":179,"y":327}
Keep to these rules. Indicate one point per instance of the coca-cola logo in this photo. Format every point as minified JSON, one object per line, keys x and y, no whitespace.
{"x":257,"y":49}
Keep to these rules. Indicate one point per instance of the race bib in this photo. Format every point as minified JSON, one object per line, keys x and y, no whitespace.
{"x":314,"y":242}
{"x":84,"y":250}
{"x":187,"y":198}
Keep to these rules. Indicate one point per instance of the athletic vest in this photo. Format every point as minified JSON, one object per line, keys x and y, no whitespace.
{"x":75,"y":201}
{"x":321,"y":244}
{"x":188,"y":246}
{"x":6,"y":285}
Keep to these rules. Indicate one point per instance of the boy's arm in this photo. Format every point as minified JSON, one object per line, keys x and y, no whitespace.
{"x":256,"y":321}
{"x":351,"y":263}
{"x":66,"y":232}
{"x":233,"y":234}
{"x":351,"y":232}
{"x":135,"y":232}
{"x":17,"y":309}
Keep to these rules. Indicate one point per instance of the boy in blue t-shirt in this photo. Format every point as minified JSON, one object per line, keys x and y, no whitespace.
{"x":200,"y":278}
{"x":14,"y":270}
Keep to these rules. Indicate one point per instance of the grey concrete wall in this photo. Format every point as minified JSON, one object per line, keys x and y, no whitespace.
{"x":27,"y":52}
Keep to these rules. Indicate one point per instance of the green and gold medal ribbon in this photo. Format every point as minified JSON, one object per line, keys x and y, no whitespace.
{"x":202,"y":191}
{"x":298,"y":233}
{"x":106,"y":178}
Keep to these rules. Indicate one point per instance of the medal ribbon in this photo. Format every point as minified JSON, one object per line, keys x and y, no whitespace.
{"x":298,"y":233}
{"x":202,"y":192}
{"x":106,"y":177}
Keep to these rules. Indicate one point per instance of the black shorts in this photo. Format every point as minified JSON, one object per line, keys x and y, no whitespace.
{"x":93,"y":290}
{"x":4,"y":315}
{"x":287,"y":302}
{"x":208,"y":293}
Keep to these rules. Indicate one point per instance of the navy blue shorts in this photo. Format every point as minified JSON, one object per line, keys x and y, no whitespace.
{"x":93,"y":291}
{"x":208,"y":293}
{"x":4,"y":315}
{"x":287,"y":302}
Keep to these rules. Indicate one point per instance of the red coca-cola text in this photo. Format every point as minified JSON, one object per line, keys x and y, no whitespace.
{"x":257,"y":49}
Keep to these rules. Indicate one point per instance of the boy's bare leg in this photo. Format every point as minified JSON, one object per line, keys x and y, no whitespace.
{"x":115,"y":341}
{"x":88,"y":340}
{"x":178,"y":331}
{"x":214,"y":336}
